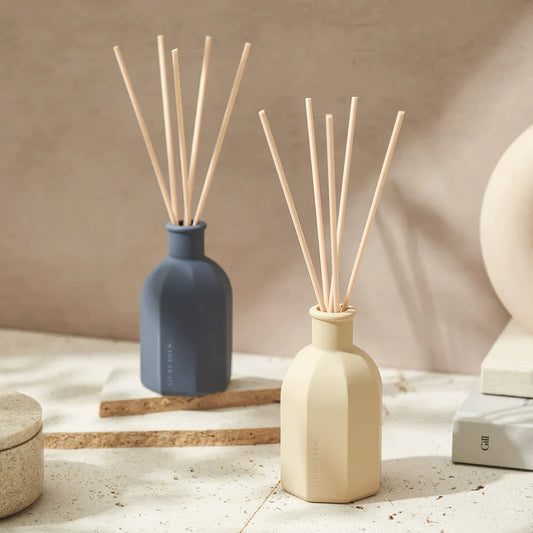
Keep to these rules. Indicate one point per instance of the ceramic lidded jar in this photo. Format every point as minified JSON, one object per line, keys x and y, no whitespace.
{"x":21,"y":452}
{"x":186,"y":319}
{"x":331,"y":416}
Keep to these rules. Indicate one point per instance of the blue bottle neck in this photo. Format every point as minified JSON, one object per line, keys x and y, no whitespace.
{"x":186,"y":242}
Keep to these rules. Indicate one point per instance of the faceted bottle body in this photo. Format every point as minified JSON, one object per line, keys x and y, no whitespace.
{"x":186,"y":320}
{"x":331,"y":416}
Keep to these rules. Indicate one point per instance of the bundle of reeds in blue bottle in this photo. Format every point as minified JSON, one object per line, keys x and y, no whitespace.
{"x":186,"y":303}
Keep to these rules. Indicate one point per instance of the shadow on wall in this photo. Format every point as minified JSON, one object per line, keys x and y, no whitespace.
{"x":419,"y":224}
{"x":76,"y":155}
{"x":422,"y":71}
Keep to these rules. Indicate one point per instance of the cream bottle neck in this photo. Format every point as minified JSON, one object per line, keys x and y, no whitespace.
{"x":332,"y":331}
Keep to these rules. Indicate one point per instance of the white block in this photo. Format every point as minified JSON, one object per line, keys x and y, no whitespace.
{"x":494,"y":431}
{"x":508,"y":368}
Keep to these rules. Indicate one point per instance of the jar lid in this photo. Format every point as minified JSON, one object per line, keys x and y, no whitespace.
{"x":20,"y":418}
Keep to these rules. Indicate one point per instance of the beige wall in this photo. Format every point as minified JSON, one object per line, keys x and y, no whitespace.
{"x":82,"y":220}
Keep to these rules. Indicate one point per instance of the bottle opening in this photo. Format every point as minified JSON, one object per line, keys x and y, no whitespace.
{"x":315,"y":312}
{"x":181,"y":228}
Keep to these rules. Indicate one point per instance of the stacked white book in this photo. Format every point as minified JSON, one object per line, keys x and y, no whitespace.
{"x":496,"y":429}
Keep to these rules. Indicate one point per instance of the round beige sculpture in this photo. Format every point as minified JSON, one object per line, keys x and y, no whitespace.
{"x":507,"y":229}
{"x":21,"y":452}
{"x":331,"y":416}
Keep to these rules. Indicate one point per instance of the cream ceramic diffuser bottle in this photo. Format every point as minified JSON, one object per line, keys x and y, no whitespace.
{"x":331,"y":395}
{"x":331,"y":416}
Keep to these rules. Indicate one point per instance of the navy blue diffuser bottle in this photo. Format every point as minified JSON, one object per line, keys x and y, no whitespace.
{"x":186,"y":319}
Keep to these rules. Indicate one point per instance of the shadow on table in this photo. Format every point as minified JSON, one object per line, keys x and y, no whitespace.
{"x":73,"y":490}
{"x":406,"y":478}
{"x":429,"y":476}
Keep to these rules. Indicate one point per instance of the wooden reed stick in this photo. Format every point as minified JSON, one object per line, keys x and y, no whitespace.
{"x":222,"y":133}
{"x":346,"y":170}
{"x":345,"y":179}
{"x":168,"y":126}
{"x":332,"y":215}
{"x":199,"y":114}
{"x":318,"y":200}
{"x":145,"y":134}
{"x":373,"y":207}
{"x":181,"y":138}
{"x":292,"y":208}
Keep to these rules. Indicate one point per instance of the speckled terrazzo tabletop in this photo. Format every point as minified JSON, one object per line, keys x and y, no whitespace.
{"x":234,"y":489}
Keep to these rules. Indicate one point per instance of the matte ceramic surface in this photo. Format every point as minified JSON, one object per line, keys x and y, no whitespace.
{"x":507,"y":229}
{"x":20,"y":418}
{"x":21,"y":452}
{"x":186,"y":319}
{"x":331,"y":416}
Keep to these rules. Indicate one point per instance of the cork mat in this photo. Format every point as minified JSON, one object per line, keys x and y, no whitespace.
{"x":130,"y":416}
{"x":124,"y":395}
{"x":162,"y":439}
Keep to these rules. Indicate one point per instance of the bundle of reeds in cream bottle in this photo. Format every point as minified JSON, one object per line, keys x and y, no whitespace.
{"x":331,"y":395}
